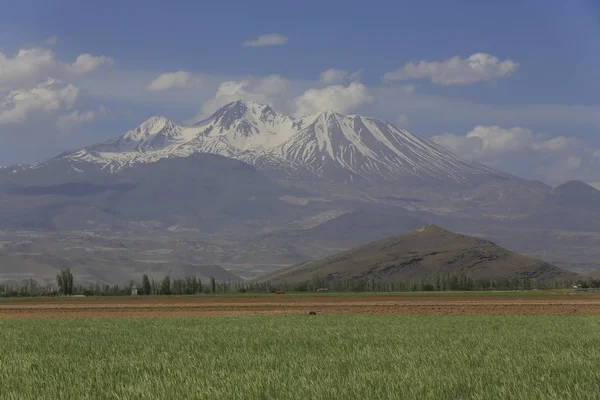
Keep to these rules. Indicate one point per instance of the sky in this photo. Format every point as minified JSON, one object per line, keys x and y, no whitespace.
{"x":512,"y":84}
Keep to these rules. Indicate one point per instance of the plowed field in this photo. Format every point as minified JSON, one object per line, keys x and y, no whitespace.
{"x":286,"y":304}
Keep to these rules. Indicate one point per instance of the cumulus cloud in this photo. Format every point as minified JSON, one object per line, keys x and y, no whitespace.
{"x":32,"y":66}
{"x":269,"y":39}
{"x":555,"y":159}
{"x":85,"y":63}
{"x":337,"y":98}
{"x":49,"y":97}
{"x":486,"y":143}
{"x":334,"y":75}
{"x":173,"y":80}
{"x":36,"y":95}
{"x":26,"y":66}
{"x":455,"y":71}
{"x":67,"y":122}
{"x":265,"y":90}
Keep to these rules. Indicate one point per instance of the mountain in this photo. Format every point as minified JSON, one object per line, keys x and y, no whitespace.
{"x":324,"y":145}
{"x":422,"y":253}
{"x":260,"y":190}
{"x":576,"y":194}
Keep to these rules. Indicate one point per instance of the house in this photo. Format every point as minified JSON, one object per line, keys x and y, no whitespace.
{"x":134,"y":291}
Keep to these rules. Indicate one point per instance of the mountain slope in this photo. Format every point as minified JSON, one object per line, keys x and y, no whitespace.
{"x":422,"y":253}
{"x":201,"y":192}
{"x":325,"y":145}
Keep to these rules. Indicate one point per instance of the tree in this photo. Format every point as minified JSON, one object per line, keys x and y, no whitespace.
{"x":69,"y":281}
{"x":64,"y":279}
{"x":213,"y":285}
{"x":60,"y":284}
{"x":146,"y":287}
{"x":166,"y":285}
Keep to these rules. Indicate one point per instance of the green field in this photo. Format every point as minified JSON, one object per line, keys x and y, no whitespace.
{"x":302,"y":357}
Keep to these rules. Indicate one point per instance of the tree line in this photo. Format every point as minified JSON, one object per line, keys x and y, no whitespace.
{"x":192,"y":285}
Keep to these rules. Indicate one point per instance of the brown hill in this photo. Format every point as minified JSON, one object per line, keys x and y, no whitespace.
{"x":422,"y":253}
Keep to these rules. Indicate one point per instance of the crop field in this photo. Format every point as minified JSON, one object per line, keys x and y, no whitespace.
{"x":474,"y":346}
{"x":302,"y":357}
{"x":502,"y":303}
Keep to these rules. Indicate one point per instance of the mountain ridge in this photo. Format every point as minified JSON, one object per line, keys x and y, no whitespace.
{"x":324,"y":145}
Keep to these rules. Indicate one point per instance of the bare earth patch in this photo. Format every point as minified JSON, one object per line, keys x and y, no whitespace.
{"x":277,"y":305}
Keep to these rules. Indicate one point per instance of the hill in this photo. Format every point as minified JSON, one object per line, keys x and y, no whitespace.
{"x":422,"y":253}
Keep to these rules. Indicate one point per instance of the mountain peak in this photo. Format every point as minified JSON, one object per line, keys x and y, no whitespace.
{"x":575,"y":186}
{"x":327,"y":145}
{"x":238,"y":110}
{"x":429,"y":229}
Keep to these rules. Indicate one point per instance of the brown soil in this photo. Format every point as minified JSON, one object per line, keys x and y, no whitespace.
{"x":282,"y":304}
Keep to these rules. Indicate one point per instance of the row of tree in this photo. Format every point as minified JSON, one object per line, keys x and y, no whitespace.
{"x":191,"y":285}
{"x":187,"y":285}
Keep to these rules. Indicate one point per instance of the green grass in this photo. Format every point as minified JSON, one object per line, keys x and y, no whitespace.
{"x":302,"y":357}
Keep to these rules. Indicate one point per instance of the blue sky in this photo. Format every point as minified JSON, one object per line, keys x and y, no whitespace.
{"x":531,"y":109}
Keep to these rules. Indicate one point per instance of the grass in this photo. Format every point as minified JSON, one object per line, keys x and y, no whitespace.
{"x":302,"y":357}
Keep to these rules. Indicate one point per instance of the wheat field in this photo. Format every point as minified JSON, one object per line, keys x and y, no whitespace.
{"x":302,"y":357}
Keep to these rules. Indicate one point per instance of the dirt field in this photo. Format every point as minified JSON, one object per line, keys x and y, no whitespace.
{"x":284,"y":304}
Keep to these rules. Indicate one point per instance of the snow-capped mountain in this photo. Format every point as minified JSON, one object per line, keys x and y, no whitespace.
{"x":326,"y":145}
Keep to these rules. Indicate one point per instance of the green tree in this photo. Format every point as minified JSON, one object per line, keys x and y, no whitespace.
{"x":60,"y":284}
{"x":166,"y":285}
{"x":213,"y":285}
{"x":146,"y":287}
{"x":69,"y":281}
{"x":64,"y":280}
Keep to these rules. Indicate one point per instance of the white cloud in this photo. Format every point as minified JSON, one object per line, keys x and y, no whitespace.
{"x":455,"y":71}
{"x":26,"y":66}
{"x":448,"y":110}
{"x":265,"y":90}
{"x":334,"y":75}
{"x":337,"y":98}
{"x":173,"y":80}
{"x":270,"y":39}
{"x":87,"y":63}
{"x":67,"y":122}
{"x":18,"y":105}
{"x":555,"y":159}
{"x":486,"y":143}
{"x":32,"y":66}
